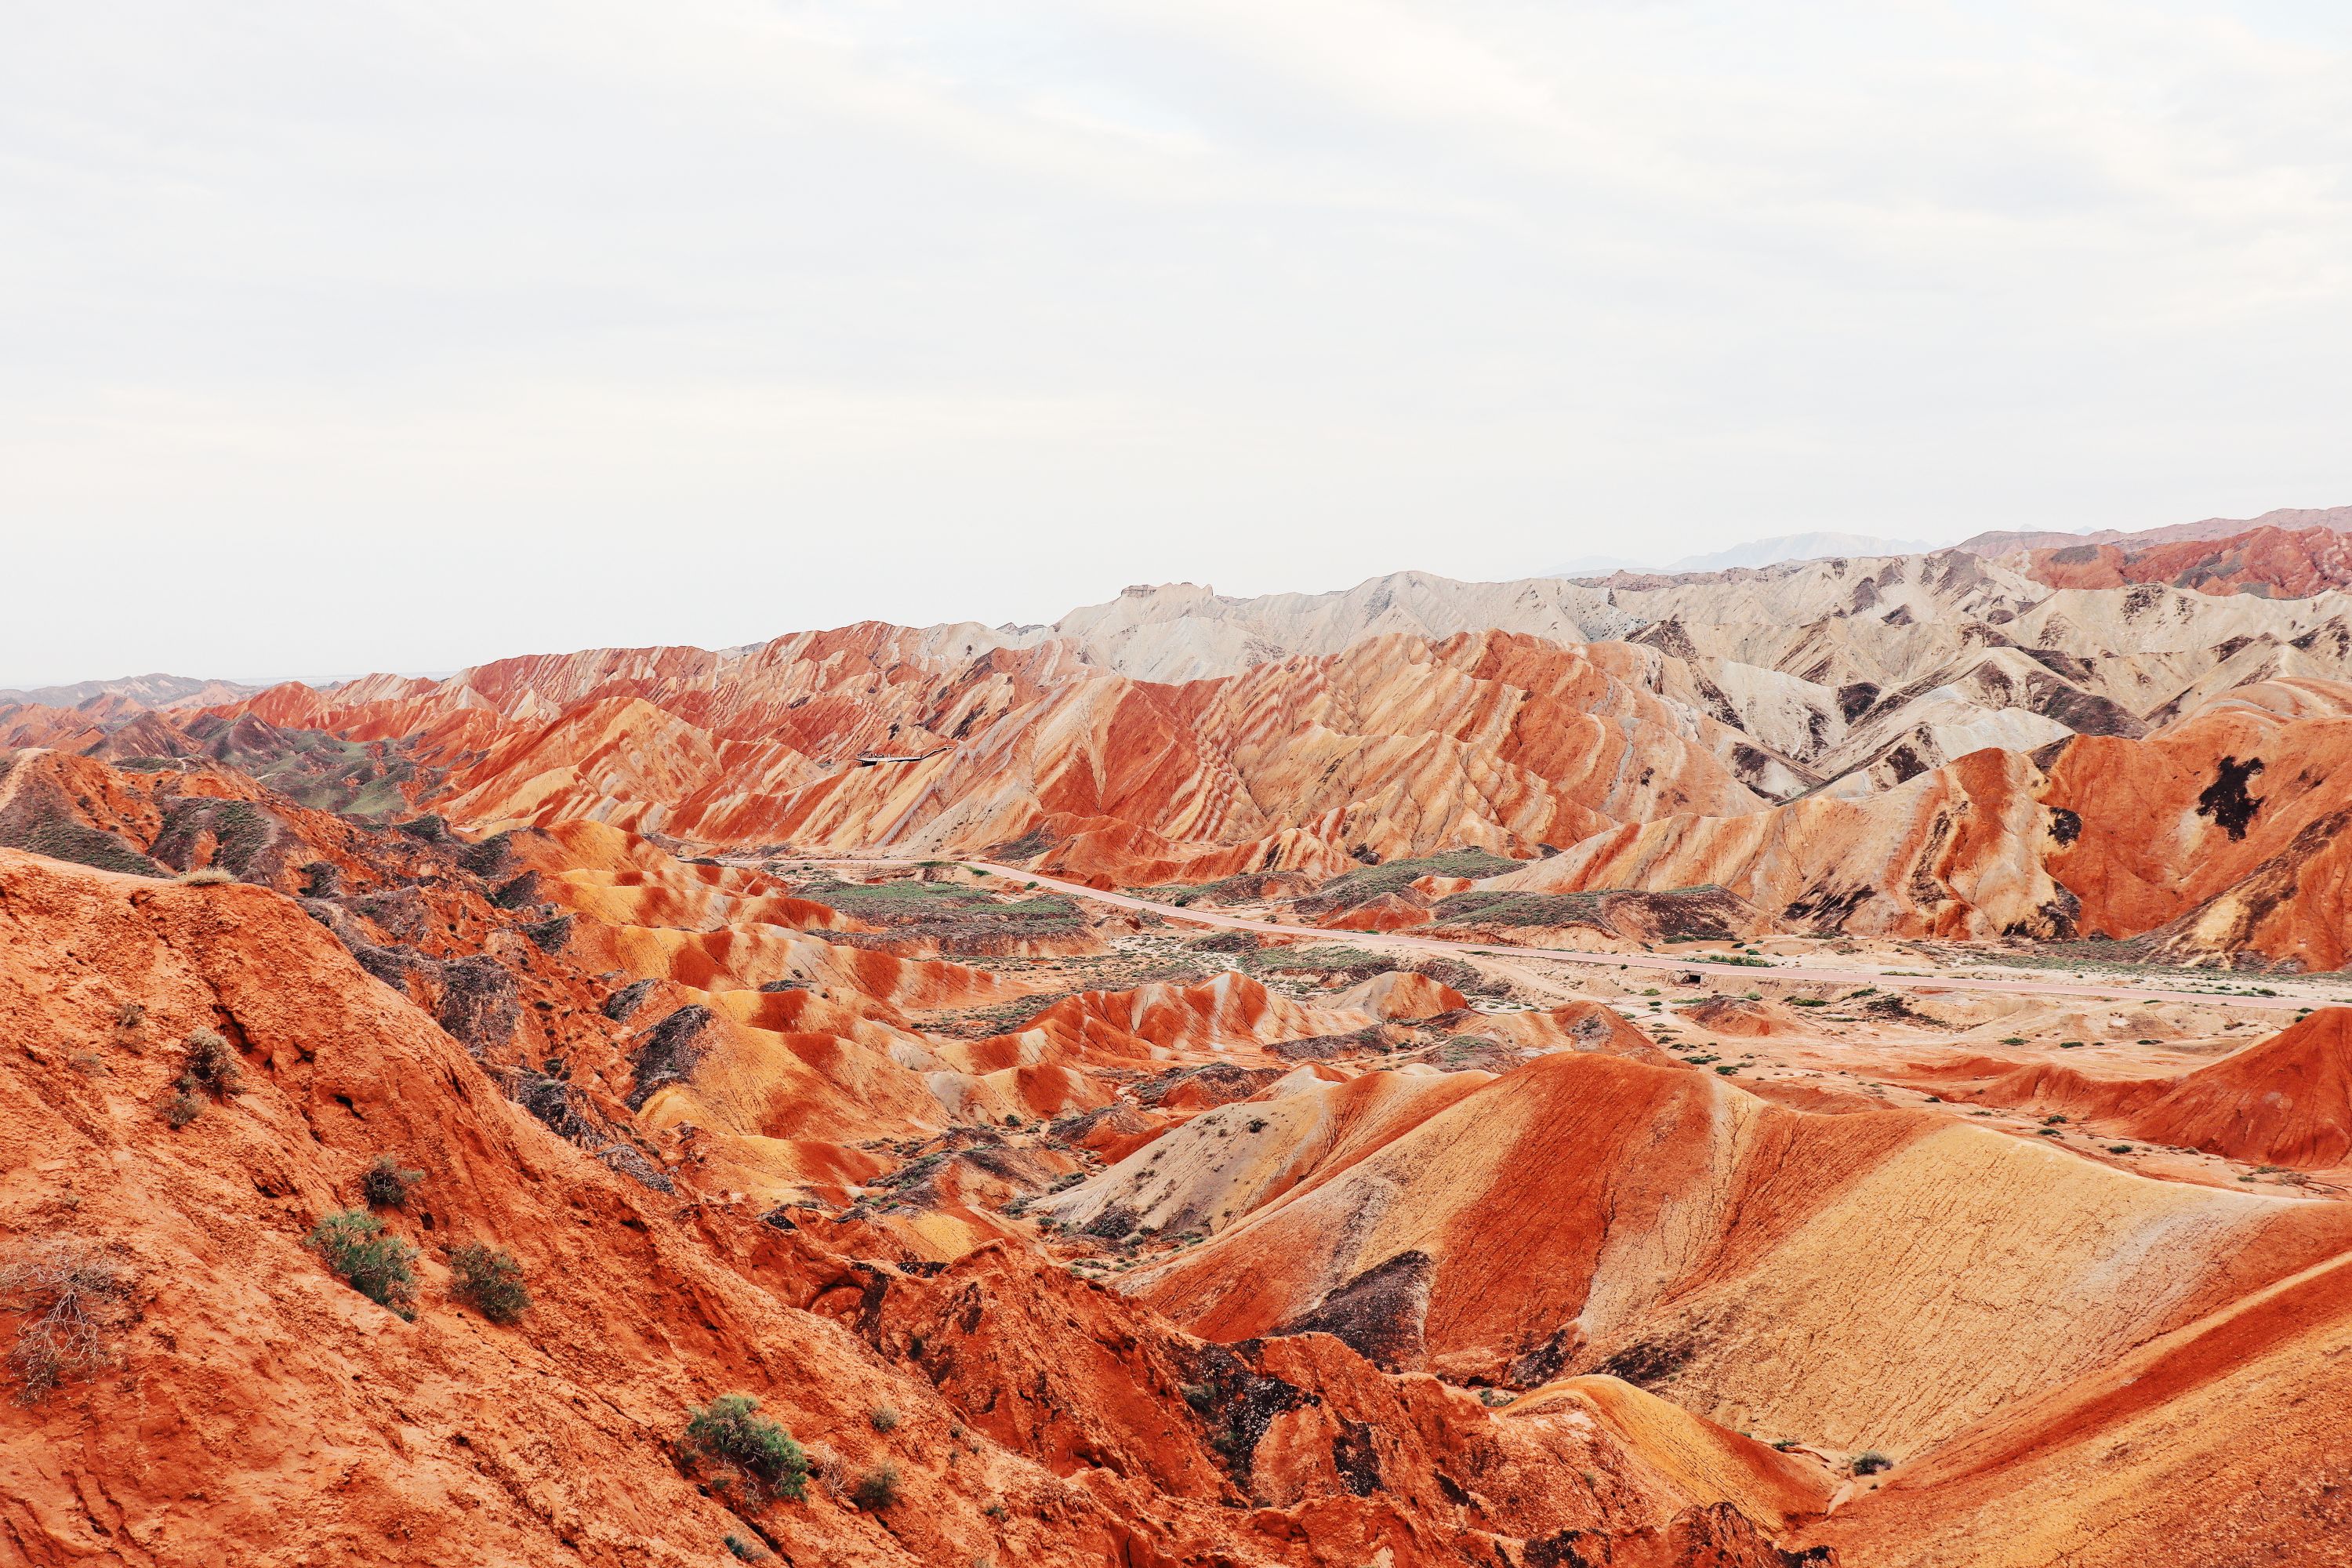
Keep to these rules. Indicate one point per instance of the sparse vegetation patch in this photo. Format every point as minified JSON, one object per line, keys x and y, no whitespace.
{"x":385,"y":1186}
{"x":489,"y":1281}
{"x":74,"y":1297}
{"x":380,"y":1266}
{"x":730,"y":1435}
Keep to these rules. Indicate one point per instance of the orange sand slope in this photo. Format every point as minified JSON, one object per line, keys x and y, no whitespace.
{"x":1585,"y":1211}
{"x":257,"y":1406}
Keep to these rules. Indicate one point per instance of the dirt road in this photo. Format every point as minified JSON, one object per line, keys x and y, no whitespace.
{"x":1814,"y":973}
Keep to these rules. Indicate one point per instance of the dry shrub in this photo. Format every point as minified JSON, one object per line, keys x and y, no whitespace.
{"x":878,"y":1489}
{"x":204,"y":877}
{"x":77,"y":1296}
{"x":208,"y":1062}
{"x":385,"y":1184}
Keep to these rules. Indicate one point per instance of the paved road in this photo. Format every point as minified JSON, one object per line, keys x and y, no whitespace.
{"x":1406,"y":941}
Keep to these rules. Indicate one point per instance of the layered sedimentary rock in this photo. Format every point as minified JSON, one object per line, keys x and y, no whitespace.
{"x":2284,"y":1102}
{"x":1396,"y":747}
{"x":2217,"y":836}
{"x":2275,"y":563}
{"x":236,"y":1399}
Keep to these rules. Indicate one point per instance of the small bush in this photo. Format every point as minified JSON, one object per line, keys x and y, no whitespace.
{"x":385,"y":1186}
{"x":746,"y":1549}
{"x":73,"y":1296}
{"x":878,"y":1489}
{"x":730,"y":1432}
{"x":2119,"y":1148}
{"x":130,"y":1015}
{"x":181,"y":1108}
{"x":381,"y":1266}
{"x":204,"y":877}
{"x":208,"y":1062}
{"x":883,"y":1418}
{"x":1870,"y":1461}
{"x":489,"y":1280}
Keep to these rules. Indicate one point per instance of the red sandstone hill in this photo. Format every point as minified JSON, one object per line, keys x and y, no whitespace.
{"x":2221,"y":834}
{"x":2334,"y":518}
{"x":689,"y":1100}
{"x":2275,"y":562}
{"x":2286,"y":1101}
{"x":252,"y":1405}
{"x":1396,"y":747}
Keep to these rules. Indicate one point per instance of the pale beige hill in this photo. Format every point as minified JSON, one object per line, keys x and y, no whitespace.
{"x":2321,"y":656}
{"x":1899,"y":591}
{"x":1181,"y":631}
{"x":2150,"y":618}
{"x":1230,"y":1162}
{"x":1954,"y":853}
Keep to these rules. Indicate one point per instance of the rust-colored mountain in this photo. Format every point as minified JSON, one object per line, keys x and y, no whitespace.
{"x":1904,"y":1168}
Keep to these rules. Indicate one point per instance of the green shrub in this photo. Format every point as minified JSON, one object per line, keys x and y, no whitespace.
{"x":381,"y":1266}
{"x":385,"y":1186}
{"x":1870,"y":1461}
{"x":730,"y":1432}
{"x":746,"y":1550}
{"x":878,"y":1489}
{"x":883,"y":1418}
{"x":181,"y":1108}
{"x":489,"y":1280}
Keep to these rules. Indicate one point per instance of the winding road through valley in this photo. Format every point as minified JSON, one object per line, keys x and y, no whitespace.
{"x":1801,"y":971}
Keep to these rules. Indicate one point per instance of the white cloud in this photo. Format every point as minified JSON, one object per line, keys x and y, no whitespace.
{"x":411,"y":333}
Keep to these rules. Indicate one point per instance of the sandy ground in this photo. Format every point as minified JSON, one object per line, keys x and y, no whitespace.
{"x":1869,"y":1030}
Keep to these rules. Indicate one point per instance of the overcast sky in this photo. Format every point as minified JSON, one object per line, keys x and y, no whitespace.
{"x":407,"y":335}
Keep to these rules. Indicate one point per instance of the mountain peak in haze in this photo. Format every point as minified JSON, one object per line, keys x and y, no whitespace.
{"x":1754,"y":552}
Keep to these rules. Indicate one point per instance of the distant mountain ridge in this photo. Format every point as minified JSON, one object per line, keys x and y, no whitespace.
{"x":1754,"y":552}
{"x":155,"y":691}
{"x":2002,"y":542}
